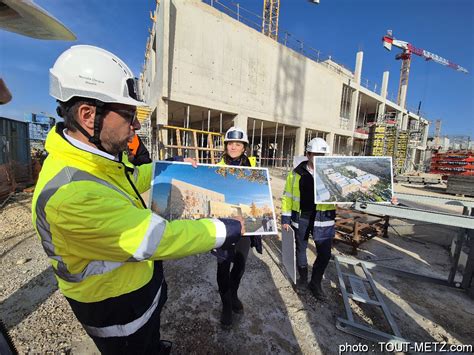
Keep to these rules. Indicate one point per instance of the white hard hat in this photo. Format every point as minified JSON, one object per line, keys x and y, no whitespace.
{"x":317,"y":145}
{"x":92,"y":72}
{"x":235,"y":134}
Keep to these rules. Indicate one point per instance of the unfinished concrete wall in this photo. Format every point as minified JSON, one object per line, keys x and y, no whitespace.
{"x":208,"y":59}
{"x":203,"y":58}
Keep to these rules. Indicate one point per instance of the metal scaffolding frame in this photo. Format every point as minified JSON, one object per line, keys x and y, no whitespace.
{"x":359,"y":293}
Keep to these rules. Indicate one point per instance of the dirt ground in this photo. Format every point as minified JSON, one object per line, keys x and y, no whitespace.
{"x":276,"y":320}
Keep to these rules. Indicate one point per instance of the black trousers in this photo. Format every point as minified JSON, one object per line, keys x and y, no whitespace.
{"x":323,"y":250}
{"x":123,"y":310}
{"x":230,"y":279}
{"x":144,"y":341}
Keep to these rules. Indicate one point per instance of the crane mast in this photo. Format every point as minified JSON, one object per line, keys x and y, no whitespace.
{"x":271,"y":12}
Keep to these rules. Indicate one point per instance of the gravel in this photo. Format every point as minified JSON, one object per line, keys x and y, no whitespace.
{"x":276,"y":320}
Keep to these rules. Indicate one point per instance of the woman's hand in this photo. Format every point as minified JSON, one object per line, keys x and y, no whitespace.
{"x":242,"y":223}
{"x":192,"y":161}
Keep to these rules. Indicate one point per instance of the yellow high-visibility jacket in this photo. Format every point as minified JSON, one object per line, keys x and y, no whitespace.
{"x":252,"y":160}
{"x":290,"y":204}
{"x":101,"y":241}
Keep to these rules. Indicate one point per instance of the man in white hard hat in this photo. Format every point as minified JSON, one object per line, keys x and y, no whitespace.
{"x":105,"y":246}
{"x":301,"y":213}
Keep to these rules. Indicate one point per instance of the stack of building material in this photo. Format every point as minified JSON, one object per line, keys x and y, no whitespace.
{"x":460,"y":185}
{"x":376,"y":143}
{"x":453,"y":163}
{"x":400,"y":154}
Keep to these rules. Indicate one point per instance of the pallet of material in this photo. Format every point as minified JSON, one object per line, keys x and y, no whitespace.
{"x":418,"y":179}
{"x":14,"y":177}
{"x":354,"y":228}
{"x":460,"y":185}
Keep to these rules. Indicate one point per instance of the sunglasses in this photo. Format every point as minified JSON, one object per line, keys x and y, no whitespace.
{"x":128,"y":115}
{"x":235,"y":135}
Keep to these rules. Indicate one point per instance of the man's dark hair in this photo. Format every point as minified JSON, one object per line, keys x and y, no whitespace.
{"x":68,"y":111}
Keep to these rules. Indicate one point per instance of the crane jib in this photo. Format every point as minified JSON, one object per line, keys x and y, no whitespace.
{"x":434,"y":57}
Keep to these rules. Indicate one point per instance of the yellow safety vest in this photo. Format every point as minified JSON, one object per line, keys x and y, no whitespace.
{"x":291,"y":198}
{"x":252,"y":160}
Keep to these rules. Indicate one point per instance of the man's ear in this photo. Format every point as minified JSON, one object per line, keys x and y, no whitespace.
{"x":86,"y":116}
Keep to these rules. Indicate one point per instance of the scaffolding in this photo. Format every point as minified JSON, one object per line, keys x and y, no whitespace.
{"x":204,"y":146}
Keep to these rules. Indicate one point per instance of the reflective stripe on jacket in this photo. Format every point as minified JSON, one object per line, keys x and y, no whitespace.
{"x":100,"y":239}
{"x":290,"y":204}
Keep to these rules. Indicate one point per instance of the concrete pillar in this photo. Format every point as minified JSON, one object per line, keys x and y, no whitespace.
{"x":383,"y":93}
{"x":412,"y":159}
{"x":426,"y":128}
{"x":240,"y":121}
{"x":358,"y":66}
{"x":353,"y":114}
{"x":330,"y":141}
{"x":403,"y":96}
{"x":350,"y":146}
{"x":162,"y":112}
{"x":300,"y":141}
{"x":157,"y":140}
{"x":405,"y":121}
{"x":384,"y":88}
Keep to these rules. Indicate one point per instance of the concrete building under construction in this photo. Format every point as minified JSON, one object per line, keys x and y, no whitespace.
{"x":208,"y":68}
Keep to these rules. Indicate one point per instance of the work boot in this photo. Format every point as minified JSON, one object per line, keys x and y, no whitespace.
{"x":226,"y":315}
{"x":165,"y":347}
{"x":315,"y":284}
{"x":237,"y":306}
{"x":317,"y":290}
{"x":303,"y":277}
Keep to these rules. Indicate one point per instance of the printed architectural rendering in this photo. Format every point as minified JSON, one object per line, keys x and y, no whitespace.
{"x":350,"y":179}
{"x":183,"y":192}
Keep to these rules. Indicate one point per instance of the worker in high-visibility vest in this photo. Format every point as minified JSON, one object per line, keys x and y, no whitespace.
{"x":228,"y":281}
{"x":104,"y":244}
{"x":137,"y":152}
{"x":305,"y":217}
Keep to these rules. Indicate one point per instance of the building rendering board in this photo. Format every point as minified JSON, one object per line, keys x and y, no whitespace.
{"x":351,"y":179}
{"x":180,"y":191}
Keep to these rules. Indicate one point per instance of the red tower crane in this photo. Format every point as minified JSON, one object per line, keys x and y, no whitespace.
{"x":405,"y":56}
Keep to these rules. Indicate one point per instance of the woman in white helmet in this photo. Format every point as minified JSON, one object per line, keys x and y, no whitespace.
{"x":305,"y":217}
{"x":236,"y":143}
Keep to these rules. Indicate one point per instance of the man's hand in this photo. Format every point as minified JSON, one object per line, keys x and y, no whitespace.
{"x":394,"y":200}
{"x":286,"y":227}
{"x":192,"y":161}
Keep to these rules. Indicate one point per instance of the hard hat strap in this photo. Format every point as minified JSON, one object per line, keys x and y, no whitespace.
{"x":98,"y":120}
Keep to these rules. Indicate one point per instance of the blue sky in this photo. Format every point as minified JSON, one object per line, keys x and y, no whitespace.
{"x":242,"y":191}
{"x":335,"y":27}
